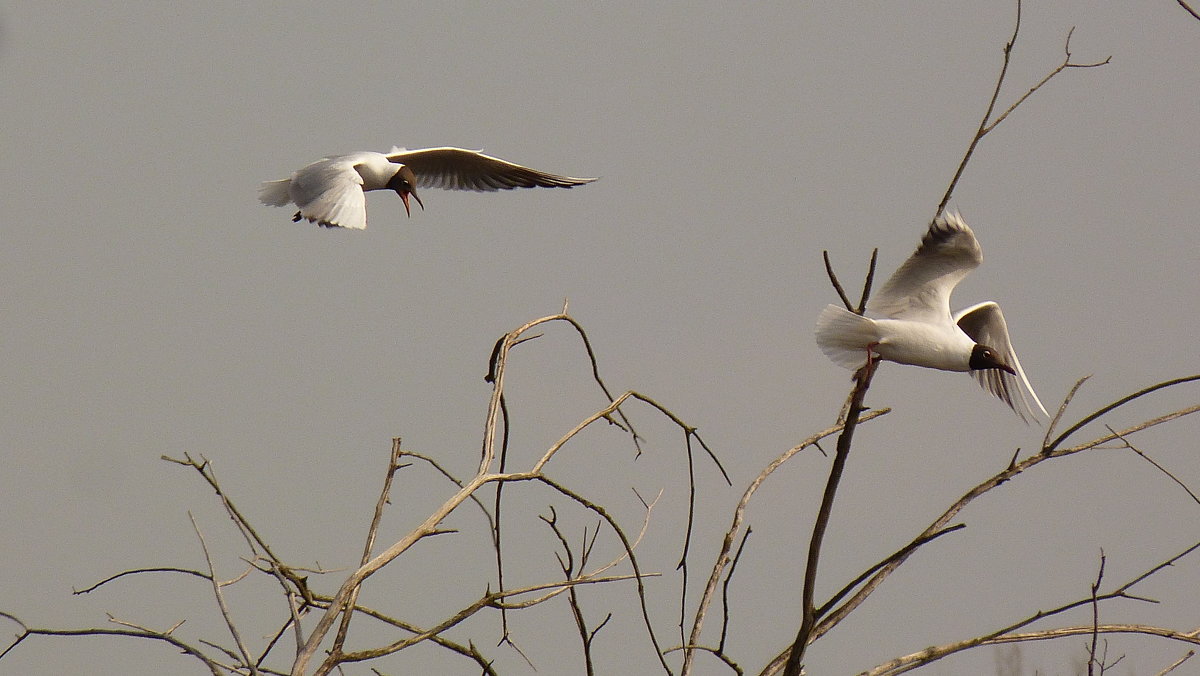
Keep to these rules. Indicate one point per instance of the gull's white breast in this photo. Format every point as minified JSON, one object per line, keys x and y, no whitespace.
{"x":918,"y":343}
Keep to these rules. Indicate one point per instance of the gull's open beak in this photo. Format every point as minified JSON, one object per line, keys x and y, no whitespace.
{"x":404,"y":196}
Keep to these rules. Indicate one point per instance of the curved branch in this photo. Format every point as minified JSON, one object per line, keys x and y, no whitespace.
{"x":214,"y":667}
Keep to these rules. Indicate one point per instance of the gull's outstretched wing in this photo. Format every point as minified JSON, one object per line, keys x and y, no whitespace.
{"x":330,"y":192}
{"x":461,"y":169}
{"x":920,"y":289}
{"x":985,"y":324}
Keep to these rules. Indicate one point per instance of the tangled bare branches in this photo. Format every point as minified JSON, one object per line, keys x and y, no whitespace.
{"x":331,"y":609}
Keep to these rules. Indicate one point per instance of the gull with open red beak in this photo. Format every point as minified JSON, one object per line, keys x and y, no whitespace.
{"x":915,"y":326}
{"x":331,"y":191}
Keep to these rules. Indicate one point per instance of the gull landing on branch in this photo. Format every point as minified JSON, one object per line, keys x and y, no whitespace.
{"x":330,"y":191}
{"x":916,"y":326}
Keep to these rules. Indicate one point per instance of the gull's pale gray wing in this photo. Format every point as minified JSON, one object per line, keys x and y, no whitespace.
{"x":330,"y":192}
{"x":920,"y":289}
{"x":985,"y":324}
{"x":460,"y":169}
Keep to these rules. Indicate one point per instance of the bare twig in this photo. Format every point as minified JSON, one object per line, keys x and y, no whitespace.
{"x":1095,"y":619}
{"x":739,"y":514}
{"x":916,"y":660}
{"x":1191,"y":11}
{"x":1062,"y":409}
{"x":904,"y":552}
{"x":253,"y":539}
{"x":987,"y":124}
{"x":725,"y":590}
{"x":161,"y":569}
{"x":1186,"y":656}
{"x":1061,"y":67}
{"x":837,"y":286}
{"x":625,"y":542}
{"x":866,"y":292}
{"x":214,"y":667}
{"x":393,"y":466}
{"x":1116,"y":404}
{"x":808,"y":617}
{"x":568,"y":569}
{"x":1008,"y":634}
{"x":216,"y":585}
{"x":1011,"y":470}
{"x":981,"y":131}
{"x":467,"y":651}
{"x":1157,"y":466}
{"x":468,"y":489}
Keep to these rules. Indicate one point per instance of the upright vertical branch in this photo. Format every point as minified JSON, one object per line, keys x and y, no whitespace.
{"x":808,"y":620}
{"x":216,"y":585}
{"x":1096,"y":619}
{"x":393,"y":466}
{"x":862,"y":382}
{"x":987,"y":115}
{"x":724,"y":559}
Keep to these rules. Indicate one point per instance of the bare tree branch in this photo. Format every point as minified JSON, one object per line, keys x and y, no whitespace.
{"x":1194,"y":14}
{"x":987,"y":124}
{"x":1157,"y":466}
{"x":808,"y":621}
{"x":26,"y":631}
{"x":393,"y":466}
{"x":1011,"y":470}
{"x":739,"y":513}
{"x":216,"y":585}
{"x":1007,"y":634}
{"x":837,"y":286}
{"x":916,"y":660}
{"x":1096,"y":619}
{"x":1116,"y":404}
{"x":1186,"y":656}
{"x":160,"y":569}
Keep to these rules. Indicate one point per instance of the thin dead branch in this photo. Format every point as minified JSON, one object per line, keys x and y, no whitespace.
{"x":1009,"y":634}
{"x":216,"y":585}
{"x":1096,"y":619}
{"x":987,"y":124}
{"x":809,"y":617}
{"x":1011,"y":470}
{"x":135,"y":571}
{"x":739,"y":513}
{"x":1157,"y":466}
{"x":213,"y":666}
{"x":393,"y":466}
{"x":1174,"y":665}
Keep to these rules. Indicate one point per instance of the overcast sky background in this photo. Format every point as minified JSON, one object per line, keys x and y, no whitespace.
{"x":152,"y":306}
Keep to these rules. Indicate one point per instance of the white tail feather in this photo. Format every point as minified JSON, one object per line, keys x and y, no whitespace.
{"x":844,"y":336}
{"x":275,"y":193}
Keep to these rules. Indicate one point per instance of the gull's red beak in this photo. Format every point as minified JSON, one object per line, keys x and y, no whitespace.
{"x":404,"y":196}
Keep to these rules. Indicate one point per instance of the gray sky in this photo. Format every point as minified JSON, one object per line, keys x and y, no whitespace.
{"x":151,"y":306}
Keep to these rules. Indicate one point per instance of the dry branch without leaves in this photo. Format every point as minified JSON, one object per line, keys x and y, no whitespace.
{"x":321,"y":650}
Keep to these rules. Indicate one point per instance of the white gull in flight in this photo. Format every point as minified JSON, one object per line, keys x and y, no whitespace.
{"x":917,"y":328}
{"x":330,"y":191}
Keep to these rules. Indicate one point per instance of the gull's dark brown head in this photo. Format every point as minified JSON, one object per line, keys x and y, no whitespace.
{"x":403,"y":183}
{"x":984,"y":357}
